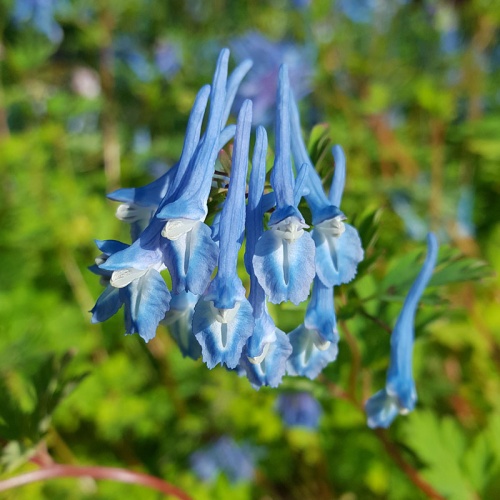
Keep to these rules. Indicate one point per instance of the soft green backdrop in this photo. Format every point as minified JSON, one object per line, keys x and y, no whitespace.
{"x":411,"y":92}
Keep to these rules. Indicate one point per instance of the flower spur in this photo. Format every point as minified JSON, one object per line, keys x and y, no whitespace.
{"x":399,"y":394}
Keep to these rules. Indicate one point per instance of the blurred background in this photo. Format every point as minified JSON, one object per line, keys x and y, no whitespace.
{"x":96,"y":95}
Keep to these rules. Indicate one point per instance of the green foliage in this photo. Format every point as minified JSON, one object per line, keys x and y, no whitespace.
{"x":411,"y":117}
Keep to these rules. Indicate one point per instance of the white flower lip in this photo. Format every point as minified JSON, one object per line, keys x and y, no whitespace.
{"x":224,"y":316}
{"x":130,"y":213}
{"x":333,"y":227}
{"x":123,"y":277}
{"x":290,"y":229}
{"x":257,"y":360}
{"x":175,"y":228}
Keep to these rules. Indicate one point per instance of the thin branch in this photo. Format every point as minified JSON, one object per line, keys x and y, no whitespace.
{"x":111,"y":473}
{"x":412,"y":473}
{"x":392,"y":450}
{"x":379,"y":322}
{"x":356,"y":359}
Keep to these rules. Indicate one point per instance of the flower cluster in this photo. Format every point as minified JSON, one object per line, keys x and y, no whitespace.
{"x":207,"y":308}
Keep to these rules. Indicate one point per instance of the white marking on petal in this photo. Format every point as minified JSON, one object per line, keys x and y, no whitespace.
{"x":332,"y":227}
{"x":175,"y":228}
{"x":257,"y":360}
{"x":124,"y":277}
{"x":319,"y":341}
{"x":132,"y":213}
{"x":224,"y":315}
{"x":289,"y":229}
{"x":101,"y":259}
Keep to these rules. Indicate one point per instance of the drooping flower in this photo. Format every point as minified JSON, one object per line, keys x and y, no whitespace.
{"x":399,"y":394}
{"x":338,"y":247}
{"x":145,"y":298}
{"x":226,"y":456}
{"x":176,"y":234}
{"x":284,"y":255}
{"x":265,"y":354}
{"x":299,"y":409}
{"x":179,"y":321}
{"x":223,"y":319}
{"x":41,"y":15}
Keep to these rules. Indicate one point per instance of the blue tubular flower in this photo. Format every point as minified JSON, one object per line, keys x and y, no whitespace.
{"x":399,"y":394}
{"x":146,"y":296}
{"x":299,"y":409}
{"x":311,"y":353}
{"x":179,"y":321}
{"x":223,"y":319}
{"x":264,"y":357}
{"x":226,"y":456}
{"x":40,"y":14}
{"x":284,"y":257}
{"x":338,"y":247}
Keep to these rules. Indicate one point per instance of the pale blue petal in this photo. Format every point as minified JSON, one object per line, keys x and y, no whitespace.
{"x":232,"y":221}
{"x":225,"y":291}
{"x":149,"y":195}
{"x":147,"y":300}
{"x":313,"y":191}
{"x":109,"y":247}
{"x":191,"y":139}
{"x":134,"y":256}
{"x":400,"y":382}
{"x":222,"y":342}
{"x":191,"y":259}
{"x":337,"y":257}
{"x":400,"y":395}
{"x":282,"y":175}
{"x":264,"y":333}
{"x":381,"y":410}
{"x":107,"y":305}
{"x":272,"y":369}
{"x":338,"y":181}
{"x":306,"y":358}
{"x":233,"y":82}
{"x":179,"y":320}
{"x":194,"y":188}
{"x":284,"y":270}
{"x":320,"y":314}
{"x":299,"y":409}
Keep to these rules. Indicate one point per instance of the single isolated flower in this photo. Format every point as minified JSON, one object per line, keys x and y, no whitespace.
{"x":399,"y":394}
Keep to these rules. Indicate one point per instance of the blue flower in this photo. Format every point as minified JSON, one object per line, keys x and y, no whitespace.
{"x":40,"y":14}
{"x":223,"y":318}
{"x":284,"y":255}
{"x":176,"y":235}
{"x":168,"y":59}
{"x":299,"y":409}
{"x":179,"y":320}
{"x":268,"y":56}
{"x":338,"y":247}
{"x":399,"y":394}
{"x":226,"y":456}
{"x":311,"y":353}
{"x":268,"y":348}
{"x":146,"y":297}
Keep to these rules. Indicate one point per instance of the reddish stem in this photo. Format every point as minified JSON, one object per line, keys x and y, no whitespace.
{"x":111,"y":473}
